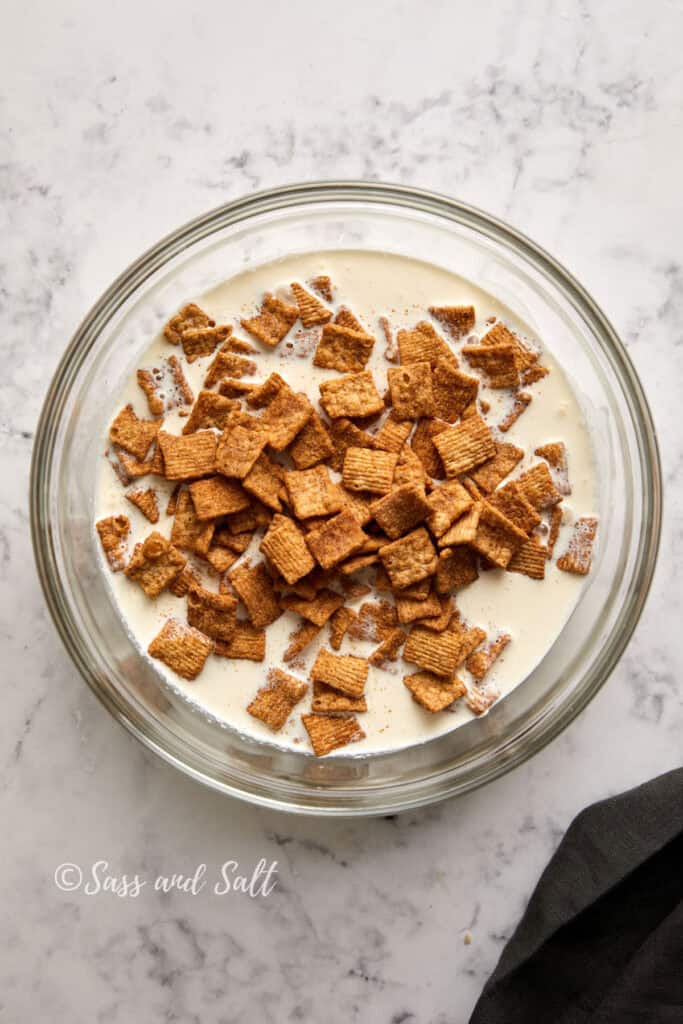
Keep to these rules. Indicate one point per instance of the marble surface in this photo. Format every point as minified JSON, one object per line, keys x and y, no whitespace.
{"x":120,"y":122}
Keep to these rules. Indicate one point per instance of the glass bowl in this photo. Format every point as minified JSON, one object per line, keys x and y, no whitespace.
{"x":315,"y":217}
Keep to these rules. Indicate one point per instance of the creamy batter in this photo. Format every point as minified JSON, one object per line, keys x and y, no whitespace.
{"x":371,"y":285}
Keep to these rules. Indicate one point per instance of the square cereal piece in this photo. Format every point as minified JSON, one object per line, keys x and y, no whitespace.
{"x":538,"y":488}
{"x":453,"y":391}
{"x":217,"y":496}
{"x":189,"y":316}
{"x":464,"y":529}
{"x":579,"y":554}
{"x":358,"y":503}
{"x":521,"y":400}
{"x":411,"y":391}
{"x":555,"y":454}
{"x":423,"y":445}
{"x":529,"y":559}
{"x":465,"y":445}
{"x":189,"y":531}
{"x":457,"y":568}
{"x":345,"y":318}
{"x":146,"y":500}
{"x":187,"y":458}
{"x":247,"y":643}
{"x":497,"y":362}
{"x":284,"y":546}
{"x":368,"y":469}
{"x":313,"y":444}
{"x":199,"y":342}
{"x":329,"y":732}
{"x":500,"y":335}
{"x":497,"y":538}
{"x":312,"y":493}
{"x":285,"y":417}
{"x":388,"y":648}
{"x":210,"y":410}
{"x":511,"y":502}
{"x":113,"y":533}
{"x":182,"y":648}
{"x":318,"y":609}
{"x":186,"y":579}
{"x":400,"y":510}
{"x":299,"y":640}
{"x":349,"y":396}
{"x":432,"y":693}
{"x":132,"y":434}
{"x":273,"y":321}
{"x":274,"y":703}
{"x":339,"y":624}
{"x":343,"y":349}
{"x":336,"y":540}
{"x":409,"y":469}
{"x":410,"y":559}
{"x":438,"y":653}
{"x":441,"y":621}
{"x":154,"y":564}
{"x":263,"y":394}
{"x":264,"y":481}
{"x":423,"y":344}
{"x":457,"y":320}
{"x":342,"y":672}
{"x":239,"y":447}
{"x":446,"y":504}
{"x":213,"y":614}
{"x":254,"y":586}
{"x":311,"y":310}
{"x":331,"y":701}
{"x":490,"y":473}
{"x":228,"y":364}
{"x":411,"y":609}
{"x":345,"y":435}
{"x":220,"y":559}
{"x":393,"y":434}
{"x":323,"y":286}
{"x":480,"y":662}
{"x":468,"y":638}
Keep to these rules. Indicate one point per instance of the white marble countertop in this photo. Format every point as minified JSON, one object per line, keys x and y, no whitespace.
{"x":120,"y":122}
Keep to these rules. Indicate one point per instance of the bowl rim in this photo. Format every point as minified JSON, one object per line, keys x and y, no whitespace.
{"x":367,"y":192}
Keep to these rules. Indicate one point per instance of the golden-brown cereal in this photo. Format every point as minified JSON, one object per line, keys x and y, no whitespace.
{"x":538,"y":488}
{"x":146,"y":501}
{"x":358,"y":503}
{"x":339,"y":624}
{"x":458,"y":320}
{"x":132,"y":434}
{"x":328,"y":700}
{"x":497,"y":362}
{"x":299,"y":640}
{"x":336,"y":540}
{"x":388,"y":649}
{"x":133,"y":469}
{"x":411,"y":610}
{"x":497,"y":537}
{"x":409,"y":469}
{"x":554,"y":532}
{"x":228,"y":364}
{"x":273,"y":321}
{"x":479,"y":701}
{"x":432,"y":693}
{"x":186,"y":579}
{"x":490,"y":473}
{"x":220,"y":559}
{"x":230,"y":388}
{"x":285,"y":547}
{"x":255,"y":588}
{"x":188,"y":317}
{"x":148,"y":380}
{"x":368,"y":469}
{"x":423,"y":344}
{"x":465,"y":445}
{"x":480,"y":662}
{"x":323,"y":286}
{"x":423,"y":446}
{"x":285,"y":417}
{"x":113,"y":532}
{"x":464,"y":529}
{"x":264,"y":481}
{"x":210,"y":410}
{"x":441,"y":621}
{"x":453,"y":391}
{"x":312,"y":444}
{"x":189,"y":531}
{"x":182,"y":648}
{"x":345,"y":435}
{"x":199,"y":342}
{"x":247,"y":643}
{"x":579,"y":554}
{"x":343,"y":349}
{"x":457,"y":568}
{"x":400,"y":510}
{"x":329,"y":732}
{"x":212,"y":614}
{"x":187,"y":458}
{"x":217,"y":496}
{"x":353,"y":395}
{"x":345,"y":318}
{"x":393,"y":434}
{"x":529,"y":559}
{"x":239,"y":447}
{"x":263,"y":394}
{"x":343,"y":672}
{"x":273,"y":703}
{"x":436,"y":652}
{"x":533,"y":374}
{"x":445,"y":504}
{"x":511,"y":502}
{"x":318,"y":609}
{"x":500,"y":335}
{"x":312,"y":493}
{"x":154,"y":564}
{"x":411,"y":391}
{"x":522,"y":400}
{"x":410,"y":559}
{"x":311,"y":310}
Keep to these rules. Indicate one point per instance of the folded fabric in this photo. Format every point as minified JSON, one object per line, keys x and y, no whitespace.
{"x":601,"y":941}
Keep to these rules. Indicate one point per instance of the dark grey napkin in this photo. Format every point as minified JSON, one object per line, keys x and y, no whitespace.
{"x":601,"y":941}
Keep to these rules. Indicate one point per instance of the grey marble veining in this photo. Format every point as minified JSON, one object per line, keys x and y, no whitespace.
{"x":118,"y":123}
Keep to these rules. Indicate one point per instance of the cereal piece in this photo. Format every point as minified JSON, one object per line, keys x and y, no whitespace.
{"x":220,"y":559}
{"x":189,"y":531}
{"x":312,"y":493}
{"x":210,"y":410}
{"x":353,"y":589}
{"x":510,"y":501}
{"x":458,"y":320}
{"x":345,"y":435}
{"x":432,"y":693}
{"x":436,"y":652}
{"x":146,"y":501}
{"x":323,"y":286}
{"x":400,"y":510}
{"x":264,"y":481}
{"x":217,"y":496}
{"x":339,"y":624}
{"x":445,"y":504}
{"x":345,"y":318}
{"x":286,"y":415}
{"x":336,"y":540}
{"x":388,"y":649}
{"x":479,"y":701}
{"x":133,"y":469}
{"x":533,"y":374}
{"x":113,"y":532}
{"x":409,"y":469}
{"x":555,"y":524}
{"x":410,"y":610}
{"x":469,"y":639}
{"x":154,"y":564}
{"x":423,"y":344}
{"x":423,"y":446}
{"x":367,"y":469}
{"x":247,"y":643}
{"x":349,"y":396}
{"x":411,"y":391}
{"x":374,"y":622}
{"x":255,"y":588}
{"x":441,"y":621}
{"x":472,"y":489}
{"x":579,"y":554}
{"x":529,"y":559}
{"x":497,"y":362}
{"x":464,"y":529}
{"x":358,"y":503}
{"x":497,"y":538}
{"x":312,"y":444}
{"x":274,"y":703}
{"x":342,"y":672}
{"x":132,"y":434}
{"x":311,"y":310}
{"x":212,"y":614}
{"x":199,"y":342}
{"x":273,"y":321}
{"x":318,"y":609}
{"x":538,"y":488}
{"x":285,"y":547}
{"x":416,"y":591}
{"x":186,"y":579}
{"x":238,"y":543}
{"x":357,"y":563}
{"x":490,"y":473}
{"x":393,"y":434}
{"x":228,"y":364}
{"x":500,"y":335}
{"x":465,"y":445}
{"x":329,"y":732}
{"x":239,"y":447}
{"x":180,"y":387}
{"x":342,"y":348}
{"x":300,"y":639}
{"x":245,"y":348}
{"x":410,"y":559}
{"x":453,"y":391}
{"x":522,"y":400}
{"x":457,"y":568}
{"x":555,"y":454}
{"x":230,"y":388}
{"x":190,"y":316}
{"x":149,"y":381}
{"x":182,"y":648}
{"x":250,"y":519}
{"x":480,"y":662}
{"x":187,"y":458}
{"x":263,"y":394}
{"x":327,"y":699}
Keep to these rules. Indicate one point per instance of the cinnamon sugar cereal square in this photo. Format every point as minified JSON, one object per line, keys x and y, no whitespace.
{"x":400,"y":510}
{"x":343,"y":672}
{"x":432,"y":693}
{"x":538,"y":488}
{"x":299,"y":640}
{"x":441,"y":621}
{"x":187,"y":458}
{"x":182,"y":648}
{"x":511,"y":502}
{"x":529,"y":559}
{"x":190,"y":316}
{"x":453,"y":391}
{"x":533,"y":374}
{"x":212,"y":614}
{"x":339,"y":624}
{"x":457,"y":568}
{"x":217,"y":496}
{"x":284,"y":546}
{"x":264,"y":481}
{"x":331,"y":701}
{"x":312,"y":493}
{"x":311,"y":310}
{"x":497,"y":538}
{"x":186,"y":579}
{"x":411,"y":391}
{"x":345,"y":435}
{"x":500,"y":335}
{"x":247,"y":643}
{"x":154,"y":564}
{"x":313,"y":444}
{"x":445,"y":504}
{"x":220,"y":559}
{"x":409,"y":469}
{"x":199,"y":342}
{"x":132,"y":434}
{"x":210,"y":410}
{"x":457,"y":320}
{"x":345,"y":318}
{"x":254,"y":587}
{"x":490,"y":473}
{"x":132,"y":469}
{"x":230,"y":388}
{"x":263,"y":394}
{"x":368,"y":469}
{"x":423,"y":445}
{"x":239,"y":447}
{"x":358,"y":503}
{"x":189,"y":531}
{"x":410,"y":559}
{"x":323,"y":286}
{"x":273,"y":321}
{"x":342,"y":348}
{"x":113,"y":532}
{"x":411,"y":610}
{"x":285,"y":417}
{"x":497,"y":362}
{"x":146,"y":500}
{"x":480,"y":662}
{"x":318,"y":609}
{"x":228,"y":364}
{"x":436,"y":652}
{"x":336,"y":540}
{"x":465,"y":445}
{"x":464,"y":529}
{"x":274,"y":703}
{"x":349,"y":396}
{"x":329,"y":732}
{"x":357,"y":563}
{"x":423,"y":344}
{"x":393,"y":434}
{"x":579,"y":554}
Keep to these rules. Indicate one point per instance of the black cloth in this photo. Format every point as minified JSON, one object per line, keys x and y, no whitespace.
{"x":601,"y":941}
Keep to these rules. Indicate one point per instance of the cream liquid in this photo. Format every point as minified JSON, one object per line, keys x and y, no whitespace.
{"x":371,"y":285}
